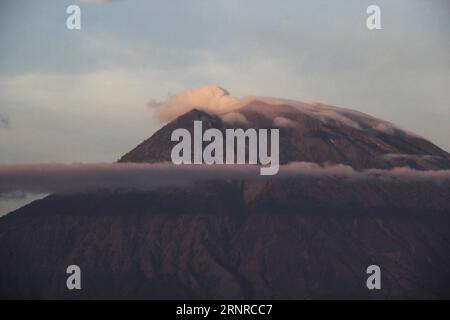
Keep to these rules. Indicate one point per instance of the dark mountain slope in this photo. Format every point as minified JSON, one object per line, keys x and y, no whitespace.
{"x":310,"y":238}
{"x":159,"y":246}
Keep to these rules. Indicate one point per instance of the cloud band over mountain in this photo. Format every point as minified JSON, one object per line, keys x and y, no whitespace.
{"x":70,"y":178}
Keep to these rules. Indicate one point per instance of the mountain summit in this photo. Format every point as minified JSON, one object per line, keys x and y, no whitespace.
{"x":310,"y":132}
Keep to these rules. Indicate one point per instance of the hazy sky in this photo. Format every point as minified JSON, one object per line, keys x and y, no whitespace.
{"x":68,"y":96}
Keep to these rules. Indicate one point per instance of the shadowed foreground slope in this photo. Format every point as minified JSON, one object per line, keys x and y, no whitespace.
{"x":221,"y":243}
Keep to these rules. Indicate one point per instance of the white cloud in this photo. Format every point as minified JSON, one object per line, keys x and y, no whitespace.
{"x":209,"y":98}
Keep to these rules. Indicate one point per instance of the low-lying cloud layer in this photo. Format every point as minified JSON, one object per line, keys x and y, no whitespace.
{"x":63,"y":178}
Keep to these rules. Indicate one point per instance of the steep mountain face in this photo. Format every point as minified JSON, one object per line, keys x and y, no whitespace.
{"x":293,"y":238}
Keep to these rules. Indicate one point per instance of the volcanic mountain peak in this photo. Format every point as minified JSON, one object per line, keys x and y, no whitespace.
{"x":214,"y":99}
{"x":310,"y":132}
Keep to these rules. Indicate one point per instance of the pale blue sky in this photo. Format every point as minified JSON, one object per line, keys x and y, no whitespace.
{"x":69,"y":96}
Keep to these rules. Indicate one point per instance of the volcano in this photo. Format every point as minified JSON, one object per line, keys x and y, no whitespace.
{"x":303,"y":237}
{"x":309,"y":132}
